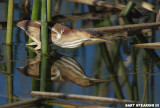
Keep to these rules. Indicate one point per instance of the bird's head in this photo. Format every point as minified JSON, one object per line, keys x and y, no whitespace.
{"x":25,"y":24}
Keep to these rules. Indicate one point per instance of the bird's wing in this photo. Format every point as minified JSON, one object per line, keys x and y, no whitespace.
{"x":34,"y":33}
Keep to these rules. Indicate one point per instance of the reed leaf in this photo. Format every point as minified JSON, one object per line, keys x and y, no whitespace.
{"x":120,"y":28}
{"x":51,"y":95}
{"x":99,"y":3}
{"x":145,"y":5}
{"x":130,"y":5}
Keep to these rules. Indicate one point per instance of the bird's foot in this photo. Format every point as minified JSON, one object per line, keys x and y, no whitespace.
{"x":33,"y":43}
{"x":33,"y":49}
{"x":38,"y":47}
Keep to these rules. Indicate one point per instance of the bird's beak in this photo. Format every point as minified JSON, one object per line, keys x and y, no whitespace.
{"x":18,"y":25}
{"x":95,"y":81}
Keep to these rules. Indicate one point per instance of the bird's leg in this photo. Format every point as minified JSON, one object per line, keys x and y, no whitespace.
{"x":57,"y":73}
{"x":58,"y":34}
{"x":32,"y":43}
{"x":38,"y":46}
{"x":62,"y":30}
{"x":53,"y":29}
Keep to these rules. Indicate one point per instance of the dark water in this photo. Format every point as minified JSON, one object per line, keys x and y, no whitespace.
{"x":133,"y":72}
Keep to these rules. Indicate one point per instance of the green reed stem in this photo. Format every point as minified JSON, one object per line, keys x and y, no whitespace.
{"x":145,"y":79}
{"x":44,"y":73}
{"x":49,"y":10}
{"x":130,"y":5}
{"x":111,"y":70}
{"x":125,"y":78}
{"x":35,"y":82}
{"x":44,"y":32}
{"x":35,"y":13}
{"x":9,"y":34}
{"x":36,"y":10}
{"x":108,"y":61}
{"x":9,"y":65}
{"x":135,"y":79}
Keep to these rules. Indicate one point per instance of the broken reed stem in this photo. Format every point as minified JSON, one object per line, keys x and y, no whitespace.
{"x":9,"y":34}
{"x":3,"y":61}
{"x":130,"y":5}
{"x":99,"y":3}
{"x":155,"y":45}
{"x":119,"y":28}
{"x":71,"y":105}
{"x":79,"y":97}
{"x":22,"y":103}
{"x":145,"y":5}
{"x":57,"y":6}
{"x":5,"y":73}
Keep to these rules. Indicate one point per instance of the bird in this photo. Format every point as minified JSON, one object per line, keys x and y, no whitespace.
{"x":61,"y":35}
{"x":63,"y":69}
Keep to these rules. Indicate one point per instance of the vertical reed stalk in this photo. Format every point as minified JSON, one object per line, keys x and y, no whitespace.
{"x":108,"y":62}
{"x":44,"y":32}
{"x":36,"y":10}
{"x":35,"y":13}
{"x":151,"y":68}
{"x":44,"y":73}
{"x":44,"y":40}
{"x":130,"y":5}
{"x":10,"y":71}
{"x":152,"y":81}
{"x":9,"y":34}
{"x":125,"y":79}
{"x":35,"y":82}
{"x":135,"y":79}
{"x":49,"y":10}
{"x":111,"y":70}
{"x":145,"y":79}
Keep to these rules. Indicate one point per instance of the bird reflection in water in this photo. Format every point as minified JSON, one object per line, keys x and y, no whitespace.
{"x":63,"y":69}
